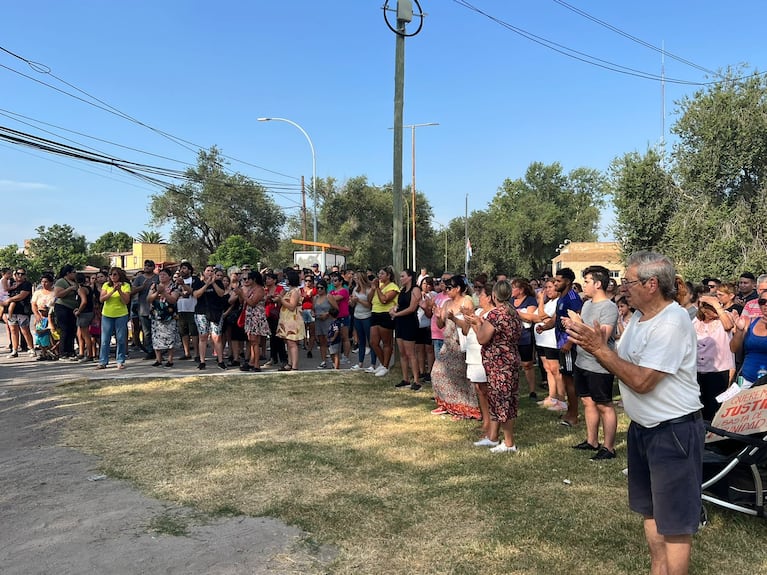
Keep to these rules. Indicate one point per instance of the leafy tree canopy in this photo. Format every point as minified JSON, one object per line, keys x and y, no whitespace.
{"x":213,"y":205}
{"x":12,"y":257}
{"x":56,"y":246}
{"x":235,"y":251}
{"x":529,"y":218}
{"x":112,"y":242}
{"x":645,"y":200}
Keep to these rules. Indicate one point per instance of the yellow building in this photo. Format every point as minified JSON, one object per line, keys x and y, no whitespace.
{"x":134,"y":259}
{"x":579,"y":255}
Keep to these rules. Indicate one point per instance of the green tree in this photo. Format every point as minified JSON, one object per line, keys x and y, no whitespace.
{"x":358,"y":216}
{"x":150,"y":237}
{"x":12,"y":257}
{"x":55,"y":246}
{"x":720,"y":166}
{"x":213,"y":205}
{"x":235,"y":251}
{"x":645,"y":200}
{"x":528,"y":218}
{"x":112,"y":242}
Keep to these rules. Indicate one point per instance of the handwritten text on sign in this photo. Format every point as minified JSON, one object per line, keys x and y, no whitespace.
{"x":746,"y":413}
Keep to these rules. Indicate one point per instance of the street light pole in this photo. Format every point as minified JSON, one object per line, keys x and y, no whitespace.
{"x":412,"y":187}
{"x":314,"y":172}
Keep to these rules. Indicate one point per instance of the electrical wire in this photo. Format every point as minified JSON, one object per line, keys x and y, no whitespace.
{"x":268,"y":184}
{"x":104,"y":106}
{"x":155,"y":175}
{"x":575,"y":54}
{"x":634,"y":38}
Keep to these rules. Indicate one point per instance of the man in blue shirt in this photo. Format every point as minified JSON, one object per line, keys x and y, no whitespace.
{"x":569,"y":300}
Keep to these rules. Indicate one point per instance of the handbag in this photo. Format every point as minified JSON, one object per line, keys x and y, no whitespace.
{"x":241,"y":317}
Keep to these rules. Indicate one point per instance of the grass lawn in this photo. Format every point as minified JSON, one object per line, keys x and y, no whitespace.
{"x":366,"y":468}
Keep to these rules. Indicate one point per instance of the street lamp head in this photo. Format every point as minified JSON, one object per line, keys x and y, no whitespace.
{"x":263,"y":119}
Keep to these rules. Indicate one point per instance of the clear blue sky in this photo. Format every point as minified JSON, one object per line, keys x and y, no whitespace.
{"x":205,"y":71}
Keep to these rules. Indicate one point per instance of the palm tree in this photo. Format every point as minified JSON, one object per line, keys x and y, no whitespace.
{"x":150,"y":237}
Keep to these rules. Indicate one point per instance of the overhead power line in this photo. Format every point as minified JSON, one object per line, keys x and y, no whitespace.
{"x":576,"y":54}
{"x":154,"y":175}
{"x":634,"y":38}
{"x":104,"y":106}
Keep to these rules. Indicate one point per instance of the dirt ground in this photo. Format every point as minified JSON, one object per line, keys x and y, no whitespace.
{"x":58,"y":515}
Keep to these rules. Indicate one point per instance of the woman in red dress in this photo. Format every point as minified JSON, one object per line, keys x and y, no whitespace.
{"x":499,"y":334}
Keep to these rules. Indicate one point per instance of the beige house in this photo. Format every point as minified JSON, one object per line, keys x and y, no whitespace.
{"x":579,"y":255}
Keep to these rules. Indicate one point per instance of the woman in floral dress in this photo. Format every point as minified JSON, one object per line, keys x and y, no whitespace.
{"x":162,"y":298}
{"x":252,"y":296}
{"x":499,"y":334}
{"x":453,"y":392}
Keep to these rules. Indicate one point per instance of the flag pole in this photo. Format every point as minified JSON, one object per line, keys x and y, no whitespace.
{"x":467,"y":245}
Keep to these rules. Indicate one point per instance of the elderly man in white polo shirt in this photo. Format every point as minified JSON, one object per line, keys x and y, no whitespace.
{"x":656,"y":365}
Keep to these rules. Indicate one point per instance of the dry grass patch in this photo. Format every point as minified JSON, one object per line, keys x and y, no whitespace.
{"x":366,"y":468}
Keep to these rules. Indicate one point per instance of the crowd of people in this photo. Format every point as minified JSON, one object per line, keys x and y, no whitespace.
{"x":672,"y":346}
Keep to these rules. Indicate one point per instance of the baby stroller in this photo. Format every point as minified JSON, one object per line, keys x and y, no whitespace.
{"x":735,"y":457}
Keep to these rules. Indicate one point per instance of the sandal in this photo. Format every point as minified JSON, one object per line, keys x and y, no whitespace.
{"x":286,"y":367}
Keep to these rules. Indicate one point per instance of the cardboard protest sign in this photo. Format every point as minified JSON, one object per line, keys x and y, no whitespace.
{"x":746,"y":413}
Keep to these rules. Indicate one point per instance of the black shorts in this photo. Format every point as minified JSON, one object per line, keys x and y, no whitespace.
{"x":525,"y":352}
{"x":567,"y":361}
{"x":597,"y":386}
{"x":406,"y":327}
{"x":551,"y":353}
{"x":423,"y":337}
{"x":381,"y":319}
{"x":186,"y":325}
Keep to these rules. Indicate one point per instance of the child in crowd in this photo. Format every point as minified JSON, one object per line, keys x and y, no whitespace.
{"x":43,"y":334}
{"x":6,"y":285}
{"x":334,"y":338}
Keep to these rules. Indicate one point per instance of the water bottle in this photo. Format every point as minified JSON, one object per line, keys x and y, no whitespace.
{"x":760,"y":374}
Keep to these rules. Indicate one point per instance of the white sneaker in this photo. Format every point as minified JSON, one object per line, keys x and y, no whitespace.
{"x":381,"y":371}
{"x":371,"y":369}
{"x":502,"y":448}
{"x":356,"y":367}
{"x":345,"y":360}
{"x":31,"y":353}
{"x":485,"y":442}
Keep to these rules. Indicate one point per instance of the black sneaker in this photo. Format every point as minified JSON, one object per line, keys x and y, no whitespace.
{"x":415,"y":386}
{"x":197,"y":358}
{"x":586,"y":446}
{"x":222,"y":365}
{"x":603,"y":454}
{"x":245,"y":367}
{"x":201,"y":365}
{"x":185,"y":357}
{"x":426,"y":377}
{"x":309,"y":354}
{"x":403,"y":383}
{"x":533,"y":396}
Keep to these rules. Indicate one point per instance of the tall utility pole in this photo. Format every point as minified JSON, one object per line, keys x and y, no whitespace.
{"x":412,"y":187}
{"x":404,"y":16}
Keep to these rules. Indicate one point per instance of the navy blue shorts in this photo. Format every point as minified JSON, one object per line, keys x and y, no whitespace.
{"x":666,"y":473}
